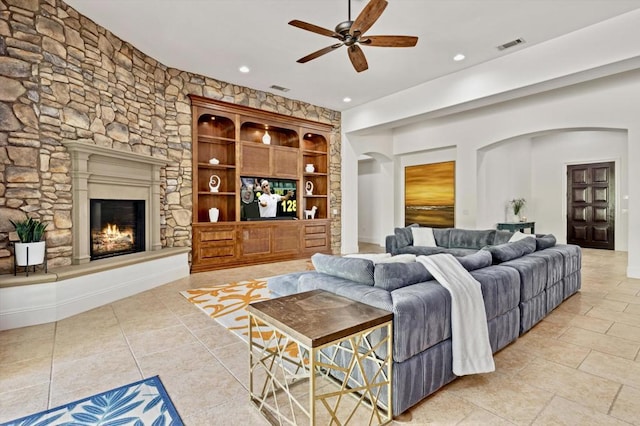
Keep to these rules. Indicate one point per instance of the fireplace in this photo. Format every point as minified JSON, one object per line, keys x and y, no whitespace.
{"x":102,"y":173}
{"x":117,"y":227}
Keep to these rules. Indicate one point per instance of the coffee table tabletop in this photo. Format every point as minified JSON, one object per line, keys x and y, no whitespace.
{"x":317,"y":317}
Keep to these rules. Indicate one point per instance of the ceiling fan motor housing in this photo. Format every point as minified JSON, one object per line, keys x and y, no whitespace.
{"x":344,"y":27}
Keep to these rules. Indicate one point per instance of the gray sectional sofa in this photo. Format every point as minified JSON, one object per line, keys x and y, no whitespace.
{"x":521,"y":282}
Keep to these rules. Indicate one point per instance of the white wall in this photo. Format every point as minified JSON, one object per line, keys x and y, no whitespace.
{"x":375,"y":183}
{"x":504,"y":173}
{"x":374,"y":200}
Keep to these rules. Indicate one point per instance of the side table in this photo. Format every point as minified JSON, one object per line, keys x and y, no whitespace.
{"x":321,"y":358}
{"x":518,"y":226}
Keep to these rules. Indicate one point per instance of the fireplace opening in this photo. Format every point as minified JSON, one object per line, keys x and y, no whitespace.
{"x":117,"y":227}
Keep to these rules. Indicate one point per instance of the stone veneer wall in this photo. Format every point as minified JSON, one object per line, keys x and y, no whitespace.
{"x":63,"y":77}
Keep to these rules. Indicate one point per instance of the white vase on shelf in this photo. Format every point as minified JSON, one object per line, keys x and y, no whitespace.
{"x":214,"y":214}
{"x":309,"y":168}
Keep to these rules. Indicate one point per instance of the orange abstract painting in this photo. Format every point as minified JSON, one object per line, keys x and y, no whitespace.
{"x":429,"y":194}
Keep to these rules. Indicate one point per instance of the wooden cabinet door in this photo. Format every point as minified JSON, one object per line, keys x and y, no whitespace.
{"x":590,"y":205}
{"x":284,"y":162}
{"x":255,"y":159}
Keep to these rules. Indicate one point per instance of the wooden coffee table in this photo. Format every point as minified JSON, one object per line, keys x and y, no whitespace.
{"x":311,"y":360}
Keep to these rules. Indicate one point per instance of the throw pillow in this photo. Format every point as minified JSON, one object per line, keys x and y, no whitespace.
{"x":517,"y":236}
{"x":404,"y":237}
{"x":423,"y":237}
{"x":478,"y":260}
{"x":504,"y":252}
{"x":358,"y":270}
{"x":391,"y":276}
{"x":545,"y":242}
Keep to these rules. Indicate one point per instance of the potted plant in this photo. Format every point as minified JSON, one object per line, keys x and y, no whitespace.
{"x":30,"y":250}
{"x":517,"y":204}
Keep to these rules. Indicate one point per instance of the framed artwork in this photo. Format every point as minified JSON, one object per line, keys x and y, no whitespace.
{"x":429,"y":194}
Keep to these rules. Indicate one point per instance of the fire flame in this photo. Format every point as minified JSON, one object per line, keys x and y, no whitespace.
{"x":112,"y":230}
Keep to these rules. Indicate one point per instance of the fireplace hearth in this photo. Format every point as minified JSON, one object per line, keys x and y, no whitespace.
{"x":117,"y":227}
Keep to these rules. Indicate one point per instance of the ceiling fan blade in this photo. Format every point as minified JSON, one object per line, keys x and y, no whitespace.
{"x":368,"y":16}
{"x":389,"y":41}
{"x":357,"y":58}
{"x":318,"y":53}
{"x":314,"y":29}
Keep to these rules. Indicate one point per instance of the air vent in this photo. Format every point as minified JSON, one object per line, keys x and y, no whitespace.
{"x":280,"y":88}
{"x":511,"y":43}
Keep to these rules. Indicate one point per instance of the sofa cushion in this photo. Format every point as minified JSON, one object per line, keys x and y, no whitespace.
{"x":545,"y":242}
{"x":501,"y":236}
{"x":284,"y":285}
{"x":358,"y":270}
{"x":442,"y":236}
{"x":421,"y":318}
{"x":423,"y":237}
{"x":533,"y":275}
{"x":505,"y":252}
{"x":470,"y":239}
{"x":479,"y":259}
{"x":404,"y":236}
{"x":344,"y":287}
{"x":391,"y":276}
{"x":422,"y":251}
{"x":384,"y":257}
{"x":500,"y":289}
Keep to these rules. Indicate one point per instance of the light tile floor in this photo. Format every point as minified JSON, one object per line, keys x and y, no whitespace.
{"x":580,"y":365}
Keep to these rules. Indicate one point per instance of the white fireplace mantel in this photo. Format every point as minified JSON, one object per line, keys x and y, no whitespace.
{"x":99,"y":172}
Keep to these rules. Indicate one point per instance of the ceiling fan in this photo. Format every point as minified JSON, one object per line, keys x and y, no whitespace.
{"x":351,"y":34}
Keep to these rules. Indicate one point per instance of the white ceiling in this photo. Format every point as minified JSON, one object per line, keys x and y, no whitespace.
{"x":215,"y":37}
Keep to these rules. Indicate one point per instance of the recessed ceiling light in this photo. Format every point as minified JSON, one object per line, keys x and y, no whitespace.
{"x":244,"y":69}
{"x":458,"y":57}
{"x":347,"y":99}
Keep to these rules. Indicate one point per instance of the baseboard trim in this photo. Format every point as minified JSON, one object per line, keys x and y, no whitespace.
{"x":27,"y":305}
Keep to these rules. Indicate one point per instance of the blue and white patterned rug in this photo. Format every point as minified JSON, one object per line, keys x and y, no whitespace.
{"x":143,"y":403}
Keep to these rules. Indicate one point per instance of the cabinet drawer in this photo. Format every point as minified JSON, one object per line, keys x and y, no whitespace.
{"x":224,"y":234}
{"x":315,"y":229}
{"x":217,"y":252}
{"x":312,"y":242}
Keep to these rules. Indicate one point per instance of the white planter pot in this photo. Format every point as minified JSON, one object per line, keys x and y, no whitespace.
{"x":36,"y":253}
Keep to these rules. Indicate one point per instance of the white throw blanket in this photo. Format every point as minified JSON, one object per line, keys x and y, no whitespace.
{"x":469,"y":333}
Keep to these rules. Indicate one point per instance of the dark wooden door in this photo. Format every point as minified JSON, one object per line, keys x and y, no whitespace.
{"x":590,"y":205}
